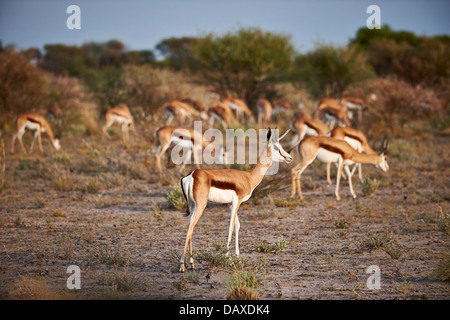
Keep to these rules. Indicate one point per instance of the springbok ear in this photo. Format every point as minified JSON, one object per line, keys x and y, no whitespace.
{"x":284,"y":134}
{"x":269,"y":134}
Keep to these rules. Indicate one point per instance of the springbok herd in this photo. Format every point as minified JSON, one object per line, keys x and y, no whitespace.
{"x":327,"y":137}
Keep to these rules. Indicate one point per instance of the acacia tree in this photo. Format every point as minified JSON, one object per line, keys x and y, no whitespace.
{"x":244,"y":63}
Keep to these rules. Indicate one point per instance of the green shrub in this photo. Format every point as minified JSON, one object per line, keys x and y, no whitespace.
{"x":176,"y":199}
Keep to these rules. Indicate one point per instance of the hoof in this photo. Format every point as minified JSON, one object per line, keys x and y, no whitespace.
{"x":182,"y":268}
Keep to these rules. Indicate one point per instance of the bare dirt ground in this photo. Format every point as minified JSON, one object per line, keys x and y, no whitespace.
{"x":102,"y":207}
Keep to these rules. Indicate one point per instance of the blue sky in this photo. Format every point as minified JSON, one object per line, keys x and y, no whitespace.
{"x":142,"y":24}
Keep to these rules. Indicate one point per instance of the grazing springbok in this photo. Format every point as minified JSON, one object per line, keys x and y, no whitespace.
{"x":39,"y":124}
{"x":265,"y":111}
{"x":240,"y":107}
{"x":222,"y":113}
{"x":284,"y":105}
{"x":185,"y":138}
{"x":122,"y":115}
{"x":304,"y":125}
{"x":332,"y":113}
{"x":196,"y":104}
{"x":327,"y":149}
{"x":182,"y":111}
{"x":227,"y":186}
{"x":357,"y":140}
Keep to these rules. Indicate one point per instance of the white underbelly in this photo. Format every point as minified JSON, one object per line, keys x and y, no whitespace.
{"x":184,"y":144}
{"x":326,"y":156}
{"x":32,"y":125}
{"x":355,"y":144}
{"x":310,"y":131}
{"x":221,"y":195}
{"x":121,"y":120}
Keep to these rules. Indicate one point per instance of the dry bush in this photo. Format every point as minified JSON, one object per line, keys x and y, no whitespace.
{"x":33,"y":289}
{"x":399,"y":103}
{"x":22,"y":85}
{"x":149,"y":87}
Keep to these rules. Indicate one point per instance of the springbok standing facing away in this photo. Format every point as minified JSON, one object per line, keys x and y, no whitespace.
{"x":32,"y":121}
{"x":122,"y":115}
{"x":184,"y":137}
{"x":227,"y":186}
{"x":327,"y":149}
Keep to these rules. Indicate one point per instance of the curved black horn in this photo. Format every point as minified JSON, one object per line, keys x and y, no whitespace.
{"x":269,"y":134}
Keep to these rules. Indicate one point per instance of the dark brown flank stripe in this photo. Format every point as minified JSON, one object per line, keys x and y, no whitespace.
{"x":34,"y":120}
{"x":224,"y":185}
{"x":308,"y":123}
{"x":331,"y":148}
{"x":354,"y":137}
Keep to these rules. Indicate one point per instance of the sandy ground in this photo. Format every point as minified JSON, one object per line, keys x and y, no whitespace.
{"x":127,"y":240}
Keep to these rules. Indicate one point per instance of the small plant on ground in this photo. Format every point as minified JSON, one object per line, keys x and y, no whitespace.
{"x":370,"y":186}
{"x":176,"y":199}
{"x":278,"y":246}
{"x":443,"y":270}
{"x":243,"y":285}
{"x":122,"y":281}
{"x":180,"y":285}
{"x":444,"y":221}
{"x":373,"y":242}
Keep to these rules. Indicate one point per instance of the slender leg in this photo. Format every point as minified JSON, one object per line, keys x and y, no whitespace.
{"x":13,"y":142}
{"x":108,"y":124}
{"x":18,"y":135}
{"x":338,"y":177}
{"x":349,"y":175}
{"x":186,"y":159}
{"x":40,"y":141}
{"x":21,"y":133}
{"x":237,"y":226}
{"x":296,"y":172}
{"x":34,"y":140}
{"x":193,"y":219}
{"x":234,"y":209}
{"x":328,"y":173}
{"x":360,"y":172}
{"x":159,"y":154}
{"x":125,"y":132}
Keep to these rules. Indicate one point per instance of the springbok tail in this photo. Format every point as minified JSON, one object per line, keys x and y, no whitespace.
{"x":185,"y":187}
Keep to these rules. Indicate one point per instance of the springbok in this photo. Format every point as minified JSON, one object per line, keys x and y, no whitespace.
{"x":185,"y":138}
{"x":182,"y":111}
{"x":240,"y":107}
{"x":227,"y":186}
{"x":304,"y":125}
{"x":122,"y":115}
{"x":327,"y":149}
{"x":356,"y":139}
{"x":221,"y":112}
{"x":39,"y":124}
{"x":332,"y":113}
{"x":265,"y":111}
